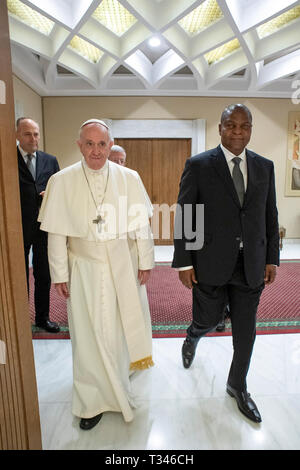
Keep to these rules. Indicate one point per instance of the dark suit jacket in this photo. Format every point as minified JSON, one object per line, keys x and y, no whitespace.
{"x":46,"y":166}
{"x":206,"y":180}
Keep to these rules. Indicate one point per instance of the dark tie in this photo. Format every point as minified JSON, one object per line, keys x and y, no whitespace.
{"x":238,"y":179}
{"x":30,"y":165}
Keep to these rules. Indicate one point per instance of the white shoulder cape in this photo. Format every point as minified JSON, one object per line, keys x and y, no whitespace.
{"x":65,"y":204}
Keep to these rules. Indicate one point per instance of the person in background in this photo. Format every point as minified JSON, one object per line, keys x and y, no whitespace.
{"x":241,"y":244}
{"x":35,"y":168}
{"x":117,"y":155}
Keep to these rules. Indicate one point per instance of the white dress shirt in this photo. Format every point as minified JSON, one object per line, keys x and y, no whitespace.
{"x":243,"y":164}
{"x":24,"y":155}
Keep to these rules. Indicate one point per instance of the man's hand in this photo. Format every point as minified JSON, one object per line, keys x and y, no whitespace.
{"x":143,"y":276}
{"x":270,"y":274}
{"x":42,"y":193}
{"x":62,"y":289}
{"x":188,"y":277}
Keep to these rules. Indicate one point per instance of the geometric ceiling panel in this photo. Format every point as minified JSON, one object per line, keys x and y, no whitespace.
{"x":114,"y":16}
{"x":29,"y":16}
{"x":201,"y":17}
{"x":85,"y":49}
{"x":278,"y":22}
{"x":156,"y":47}
{"x":222,"y":51}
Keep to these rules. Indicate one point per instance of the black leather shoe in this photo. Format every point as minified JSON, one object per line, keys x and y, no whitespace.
{"x":89,"y":423}
{"x":227,"y":313}
{"x":220,"y":326}
{"x":245,"y":404}
{"x":188,"y":351}
{"x":48,"y":325}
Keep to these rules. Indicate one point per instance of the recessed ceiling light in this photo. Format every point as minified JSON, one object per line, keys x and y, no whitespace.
{"x":154,"y":41}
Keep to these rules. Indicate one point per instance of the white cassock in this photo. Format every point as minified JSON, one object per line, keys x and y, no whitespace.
{"x":108,"y":312}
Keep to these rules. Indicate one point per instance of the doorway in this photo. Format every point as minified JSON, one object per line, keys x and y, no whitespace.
{"x":160,"y":163}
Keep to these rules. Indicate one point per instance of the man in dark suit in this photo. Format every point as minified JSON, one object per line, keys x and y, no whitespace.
{"x":35,"y":169}
{"x":241,"y":243}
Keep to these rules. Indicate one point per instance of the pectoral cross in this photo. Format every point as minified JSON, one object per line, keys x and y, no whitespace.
{"x":98,"y":221}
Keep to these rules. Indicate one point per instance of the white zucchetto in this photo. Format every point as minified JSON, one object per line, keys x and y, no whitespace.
{"x":97,"y":121}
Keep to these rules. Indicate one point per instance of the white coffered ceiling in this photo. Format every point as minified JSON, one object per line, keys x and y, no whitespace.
{"x":207,"y":47}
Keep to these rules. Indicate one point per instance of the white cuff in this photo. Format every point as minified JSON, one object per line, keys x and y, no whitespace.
{"x":185,"y":268}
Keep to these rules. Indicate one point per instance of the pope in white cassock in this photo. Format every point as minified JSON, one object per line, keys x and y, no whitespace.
{"x":100,"y":251}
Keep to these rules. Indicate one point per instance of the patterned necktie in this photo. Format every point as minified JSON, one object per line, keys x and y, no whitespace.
{"x":238,"y":179}
{"x":30,"y":165}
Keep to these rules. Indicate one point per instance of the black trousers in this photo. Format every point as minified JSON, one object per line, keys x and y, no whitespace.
{"x":209,"y":303}
{"x":42,"y":280}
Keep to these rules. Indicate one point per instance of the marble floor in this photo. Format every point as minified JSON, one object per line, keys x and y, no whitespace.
{"x":179,"y":409}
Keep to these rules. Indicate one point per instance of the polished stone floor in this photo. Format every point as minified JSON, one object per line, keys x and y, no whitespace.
{"x":179,"y":408}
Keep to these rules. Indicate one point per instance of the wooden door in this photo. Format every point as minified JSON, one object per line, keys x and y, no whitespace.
{"x":160,"y":163}
{"x":139,"y":158}
{"x":168,"y":160}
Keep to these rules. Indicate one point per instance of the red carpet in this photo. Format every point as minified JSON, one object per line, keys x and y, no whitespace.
{"x":170,"y":305}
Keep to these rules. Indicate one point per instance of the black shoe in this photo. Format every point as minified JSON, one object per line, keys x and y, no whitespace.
{"x":227,"y":313}
{"x":89,"y":423}
{"x":220,"y":326}
{"x":245,"y":404}
{"x":188,"y":351}
{"x":48,"y":325}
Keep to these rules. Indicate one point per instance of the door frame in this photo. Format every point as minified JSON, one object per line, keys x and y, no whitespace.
{"x":19,"y":409}
{"x":193,"y":129}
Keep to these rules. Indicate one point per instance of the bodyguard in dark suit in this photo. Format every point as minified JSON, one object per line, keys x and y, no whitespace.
{"x":35,"y":169}
{"x":241,"y":243}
